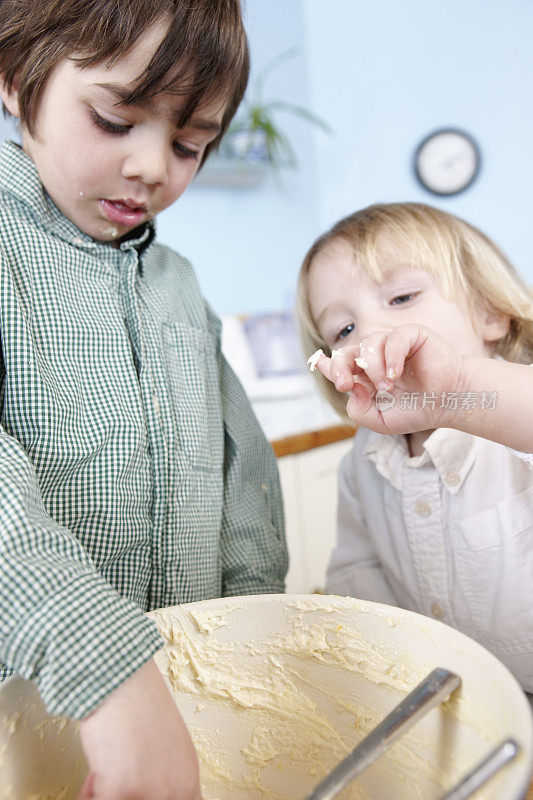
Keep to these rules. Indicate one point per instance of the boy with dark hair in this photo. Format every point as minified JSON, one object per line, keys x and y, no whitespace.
{"x":133,"y":474}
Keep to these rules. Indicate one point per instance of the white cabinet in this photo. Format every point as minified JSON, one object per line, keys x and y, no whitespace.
{"x":309,"y":485}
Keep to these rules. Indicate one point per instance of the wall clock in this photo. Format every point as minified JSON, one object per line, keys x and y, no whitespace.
{"x":447,"y":161}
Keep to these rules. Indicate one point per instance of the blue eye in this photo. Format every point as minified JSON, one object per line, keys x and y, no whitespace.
{"x":346,"y":331}
{"x":401,"y":299}
{"x":108,"y":126}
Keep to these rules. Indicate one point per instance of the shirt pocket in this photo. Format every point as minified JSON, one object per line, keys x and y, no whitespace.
{"x":494,"y":562}
{"x":192,"y":369}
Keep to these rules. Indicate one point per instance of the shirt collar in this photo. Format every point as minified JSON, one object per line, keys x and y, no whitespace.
{"x":19,"y":177}
{"x":451,"y":452}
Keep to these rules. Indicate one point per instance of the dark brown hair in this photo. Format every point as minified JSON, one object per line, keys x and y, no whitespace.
{"x":204,"y":54}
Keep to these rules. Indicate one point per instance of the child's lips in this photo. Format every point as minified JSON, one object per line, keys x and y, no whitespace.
{"x":124,"y":212}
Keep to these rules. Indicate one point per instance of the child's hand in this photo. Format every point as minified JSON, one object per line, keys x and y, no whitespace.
{"x":137,"y":745}
{"x":398,"y":379}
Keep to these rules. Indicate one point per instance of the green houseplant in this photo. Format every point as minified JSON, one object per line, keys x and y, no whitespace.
{"x":255,"y":136}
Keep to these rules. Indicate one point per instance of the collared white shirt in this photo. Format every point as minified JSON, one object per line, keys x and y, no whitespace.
{"x":448,"y":534}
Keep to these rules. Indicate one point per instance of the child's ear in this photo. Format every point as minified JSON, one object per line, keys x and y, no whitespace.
{"x":495,"y":325}
{"x":10,"y":98}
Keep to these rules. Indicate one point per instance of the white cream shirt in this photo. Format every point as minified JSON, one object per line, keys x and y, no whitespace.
{"x":448,"y":534}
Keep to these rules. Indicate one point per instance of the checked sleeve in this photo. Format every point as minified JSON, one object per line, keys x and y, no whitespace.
{"x":62,"y":625}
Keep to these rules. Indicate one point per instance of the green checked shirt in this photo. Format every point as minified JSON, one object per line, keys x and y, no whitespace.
{"x":133,"y":473}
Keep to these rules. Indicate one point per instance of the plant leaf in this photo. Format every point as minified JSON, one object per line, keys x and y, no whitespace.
{"x":299,"y":111}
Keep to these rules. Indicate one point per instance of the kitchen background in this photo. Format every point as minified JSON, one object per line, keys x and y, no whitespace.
{"x":382,"y":75}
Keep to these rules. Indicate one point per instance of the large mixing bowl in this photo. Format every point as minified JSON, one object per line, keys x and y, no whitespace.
{"x":276,"y":689}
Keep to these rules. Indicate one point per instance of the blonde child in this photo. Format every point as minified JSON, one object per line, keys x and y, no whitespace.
{"x":427,"y":332}
{"x":133,"y":473}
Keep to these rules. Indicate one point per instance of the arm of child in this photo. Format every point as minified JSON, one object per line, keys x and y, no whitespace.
{"x":510,"y":421}
{"x":253,"y":549}
{"x":57,"y":614}
{"x":422,"y":372}
{"x":355,"y":569}
{"x":87,"y":649}
{"x":137,"y":745}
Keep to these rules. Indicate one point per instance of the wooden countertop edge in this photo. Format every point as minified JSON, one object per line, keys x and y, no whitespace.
{"x":290,"y":445}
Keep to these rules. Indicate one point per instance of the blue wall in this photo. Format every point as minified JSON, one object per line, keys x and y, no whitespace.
{"x":383,"y":74}
{"x":387,"y":73}
{"x":246,"y":244}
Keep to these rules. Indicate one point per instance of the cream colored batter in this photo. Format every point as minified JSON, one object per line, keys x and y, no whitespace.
{"x":313,"y":360}
{"x":278,"y":712}
{"x":276,"y":690}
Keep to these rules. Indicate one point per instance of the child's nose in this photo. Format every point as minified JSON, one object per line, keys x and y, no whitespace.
{"x":148,"y":163}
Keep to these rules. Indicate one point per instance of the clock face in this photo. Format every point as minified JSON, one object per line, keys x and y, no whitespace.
{"x":447,"y":161}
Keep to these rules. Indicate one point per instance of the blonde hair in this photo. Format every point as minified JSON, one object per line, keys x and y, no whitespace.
{"x":460,"y":257}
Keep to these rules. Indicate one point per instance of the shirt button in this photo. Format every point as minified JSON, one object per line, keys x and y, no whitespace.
{"x":437,"y":611}
{"x":423,"y":509}
{"x":453,"y":479}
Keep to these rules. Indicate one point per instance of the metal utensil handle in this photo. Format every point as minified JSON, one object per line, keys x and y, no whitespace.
{"x":484,"y":770}
{"x":437,"y":686}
